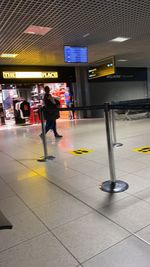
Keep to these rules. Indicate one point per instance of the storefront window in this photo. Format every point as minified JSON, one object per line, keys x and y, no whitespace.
{"x":32,"y":93}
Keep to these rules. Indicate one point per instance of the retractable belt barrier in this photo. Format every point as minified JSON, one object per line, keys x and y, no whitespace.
{"x":113,"y":185}
{"x":136,"y":104}
{"x":133,"y":101}
{"x":144,"y":106}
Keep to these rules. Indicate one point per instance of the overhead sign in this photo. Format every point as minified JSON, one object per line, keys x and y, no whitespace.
{"x":29,"y":74}
{"x":80,"y":151}
{"x":143,"y":149}
{"x":102,"y":68}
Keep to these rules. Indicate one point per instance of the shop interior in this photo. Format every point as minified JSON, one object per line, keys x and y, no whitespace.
{"x":19,"y":103}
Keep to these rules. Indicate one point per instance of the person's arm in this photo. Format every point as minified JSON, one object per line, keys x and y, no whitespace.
{"x":57,"y":103}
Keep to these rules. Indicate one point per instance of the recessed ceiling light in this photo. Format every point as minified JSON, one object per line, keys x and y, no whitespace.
{"x":120,"y":39}
{"x":8,"y":55}
{"x":122,"y":60}
{"x":86,"y":35}
{"x":38,"y":30}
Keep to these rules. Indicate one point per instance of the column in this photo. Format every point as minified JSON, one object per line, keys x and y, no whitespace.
{"x":82,"y":90}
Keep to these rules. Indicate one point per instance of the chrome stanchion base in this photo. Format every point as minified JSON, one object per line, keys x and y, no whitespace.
{"x":117,"y":144}
{"x":114,"y":187}
{"x":44,"y":159}
{"x":4,"y":223}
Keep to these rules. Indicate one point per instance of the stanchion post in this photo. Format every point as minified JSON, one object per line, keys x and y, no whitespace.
{"x":115,"y":143}
{"x":43,"y":136}
{"x":112,"y":185}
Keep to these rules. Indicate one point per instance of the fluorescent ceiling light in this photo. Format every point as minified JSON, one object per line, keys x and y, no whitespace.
{"x":86,"y":35}
{"x":120,"y":39}
{"x":122,"y":60}
{"x":8,"y":55}
{"x":38,"y":30}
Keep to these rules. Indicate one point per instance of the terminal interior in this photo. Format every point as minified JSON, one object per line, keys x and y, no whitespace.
{"x":55,"y":211}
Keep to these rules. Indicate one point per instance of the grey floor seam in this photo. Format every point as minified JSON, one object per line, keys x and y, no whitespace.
{"x":114,"y":246}
{"x":24,"y":241}
{"x":106,"y":249}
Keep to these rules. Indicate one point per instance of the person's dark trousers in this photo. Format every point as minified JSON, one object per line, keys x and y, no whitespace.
{"x":73,"y":112}
{"x":54,"y":128}
{"x":51,"y":125}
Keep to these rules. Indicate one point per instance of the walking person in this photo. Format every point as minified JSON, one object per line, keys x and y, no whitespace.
{"x":51,"y":113}
{"x":72,"y":117}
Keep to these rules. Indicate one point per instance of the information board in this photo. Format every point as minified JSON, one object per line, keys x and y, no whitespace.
{"x":75,"y":54}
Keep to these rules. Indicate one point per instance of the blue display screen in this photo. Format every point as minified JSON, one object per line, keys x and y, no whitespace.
{"x":75,"y":54}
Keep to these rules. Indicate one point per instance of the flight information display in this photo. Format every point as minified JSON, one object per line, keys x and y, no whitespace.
{"x":75,"y":54}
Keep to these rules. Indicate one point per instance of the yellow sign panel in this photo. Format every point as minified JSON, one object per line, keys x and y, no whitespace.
{"x":80,"y":151}
{"x":105,"y":67}
{"x":143,"y":149}
{"x":29,"y":74}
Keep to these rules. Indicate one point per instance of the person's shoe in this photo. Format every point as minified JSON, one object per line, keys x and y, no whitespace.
{"x":58,"y":136}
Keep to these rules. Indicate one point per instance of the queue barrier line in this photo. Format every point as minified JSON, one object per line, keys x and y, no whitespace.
{"x":113,"y":185}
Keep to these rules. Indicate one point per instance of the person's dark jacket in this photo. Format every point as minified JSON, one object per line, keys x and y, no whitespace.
{"x":51,"y":109}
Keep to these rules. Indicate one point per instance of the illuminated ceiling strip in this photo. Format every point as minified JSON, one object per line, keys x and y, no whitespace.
{"x":8,"y":55}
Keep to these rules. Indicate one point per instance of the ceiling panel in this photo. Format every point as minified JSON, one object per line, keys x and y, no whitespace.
{"x":70,"y":20}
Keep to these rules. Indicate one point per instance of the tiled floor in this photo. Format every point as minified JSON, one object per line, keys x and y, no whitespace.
{"x":60,"y":216}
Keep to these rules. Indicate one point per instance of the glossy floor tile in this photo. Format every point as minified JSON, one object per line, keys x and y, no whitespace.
{"x":136,"y":183}
{"x":97,"y":199}
{"x":77,"y":183}
{"x":25,"y":226}
{"x":5,"y":190}
{"x":60,"y":216}
{"x":37,"y":195}
{"x":144,"y":234}
{"x":130,"y":252}
{"x":61,"y":211}
{"x":44,"y":250}
{"x":89,"y":235}
{"x":12,"y":206}
{"x":130,"y":212}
